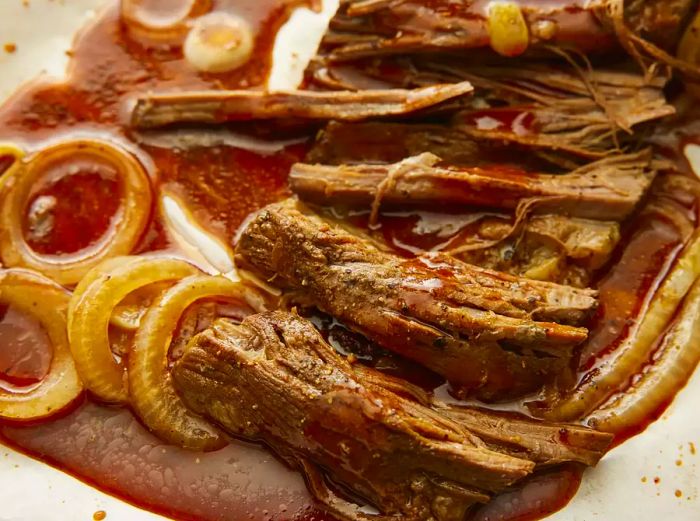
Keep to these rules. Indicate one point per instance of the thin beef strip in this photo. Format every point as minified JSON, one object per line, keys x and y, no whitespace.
{"x":487,"y":332}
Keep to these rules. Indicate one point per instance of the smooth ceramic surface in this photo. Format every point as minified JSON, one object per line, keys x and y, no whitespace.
{"x":621,"y":488}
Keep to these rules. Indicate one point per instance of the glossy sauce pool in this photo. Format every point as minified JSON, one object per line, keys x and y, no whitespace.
{"x":220,"y":185}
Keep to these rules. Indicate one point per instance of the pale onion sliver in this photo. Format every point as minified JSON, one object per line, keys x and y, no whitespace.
{"x":151,"y":391}
{"x":90,"y":311}
{"x":219,"y":42}
{"x":678,"y":357}
{"x":47,"y":302}
{"x":635,"y":350}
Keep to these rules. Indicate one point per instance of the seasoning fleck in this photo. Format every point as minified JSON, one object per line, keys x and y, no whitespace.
{"x":99,"y":515}
{"x":10,"y":47}
{"x":679,"y":493}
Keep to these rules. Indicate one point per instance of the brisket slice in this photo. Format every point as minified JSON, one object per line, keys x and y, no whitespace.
{"x":363,"y":28}
{"x":574,"y":111}
{"x":341,"y":143}
{"x":371,"y":28}
{"x":484,"y":331}
{"x":544,"y":443}
{"x":274,"y":379}
{"x":221,"y":106}
{"x":608,"y":189}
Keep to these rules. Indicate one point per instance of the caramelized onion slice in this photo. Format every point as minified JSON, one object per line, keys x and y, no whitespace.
{"x":89,"y":315}
{"x":47,"y":302}
{"x":127,"y":225}
{"x":10,"y":157}
{"x":219,"y":42}
{"x":150,"y":386}
{"x":635,"y":351}
{"x":673,"y":364}
{"x":160,"y":23}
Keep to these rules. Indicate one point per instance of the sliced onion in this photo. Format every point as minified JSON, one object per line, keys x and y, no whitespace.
{"x":89,"y":315}
{"x":128,"y":224}
{"x":673,"y":364}
{"x":160,"y":22}
{"x":11,"y":153}
{"x":150,"y":386}
{"x":219,"y":42}
{"x":635,"y":351}
{"x":47,"y":302}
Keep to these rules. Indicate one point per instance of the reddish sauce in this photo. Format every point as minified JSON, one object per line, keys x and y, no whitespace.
{"x":26,"y":349}
{"x":108,"y":447}
{"x":221,"y":185}
{"x":72,"y":212}
{"x":536,"y":497}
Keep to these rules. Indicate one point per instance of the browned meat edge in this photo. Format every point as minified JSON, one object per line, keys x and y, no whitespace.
{"x":363,"y":28}
{"x":274,"y":379}
{"x":482,"y":330}
{"x":221,"y":106}
{"x":608,"y":189}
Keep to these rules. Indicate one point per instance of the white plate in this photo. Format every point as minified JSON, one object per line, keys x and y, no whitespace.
{"x":31,"y":490}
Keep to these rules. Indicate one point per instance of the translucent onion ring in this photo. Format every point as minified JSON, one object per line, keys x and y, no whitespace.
{"x":674,"y":363}
{"x":129,"y":222}
{"x":89,"y":315}
{"x":47,"y":302}
{"x":153,"y":396}
{"x":11,"y":151}
{"x":634,"y":352}
{"x":123,"y":317}
{"x":149,"y":28}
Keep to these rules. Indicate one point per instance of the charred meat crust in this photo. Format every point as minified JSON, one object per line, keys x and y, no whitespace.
{"x":484,"y":331}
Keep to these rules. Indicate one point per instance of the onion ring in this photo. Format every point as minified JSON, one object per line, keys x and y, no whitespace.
{"x":634,"y":352}
{"x":89,"y":315}
{"x":673,"y":364}
{"x":129,"y":222}
{"x":8,"y":150}
{"x":150,"y":28}
{"x":47,"y":302}
{"x":153,"y":396}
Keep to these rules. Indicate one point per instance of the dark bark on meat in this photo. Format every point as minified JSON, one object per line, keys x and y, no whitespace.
{"x":608,"y":189}
{"x":482,"y":330}
{"x":274,"y":379}
{"x":154,"y":110}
